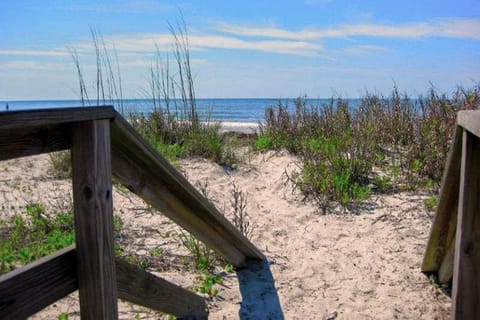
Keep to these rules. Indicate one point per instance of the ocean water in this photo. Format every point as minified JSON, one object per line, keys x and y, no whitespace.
{"x":224,"y":110}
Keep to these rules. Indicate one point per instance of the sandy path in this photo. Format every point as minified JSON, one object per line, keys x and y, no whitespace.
{"x":337,"y":266}
{"x":364,"y":266}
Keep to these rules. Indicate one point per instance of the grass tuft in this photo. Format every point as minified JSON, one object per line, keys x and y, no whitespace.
{"x":339,"y":146}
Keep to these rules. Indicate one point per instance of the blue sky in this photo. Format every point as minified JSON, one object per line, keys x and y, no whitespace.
{"x":243,"y":49}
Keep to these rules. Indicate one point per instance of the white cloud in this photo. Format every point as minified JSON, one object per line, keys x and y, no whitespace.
{"x":48,"y":53}
{"x":451,"y":27}
{"x":364,"y":49}
{"x":128,"y":44}
{"x":146,"y":64}
{"x":146,"y":43}
{"x":301,"y":48}
{"x":459,"y":28}
{"x":33,"y":65}
{"x":123,"y":6}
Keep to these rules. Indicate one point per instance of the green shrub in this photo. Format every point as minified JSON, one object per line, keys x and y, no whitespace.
{"x":264,"y":142}
{"x":176,"y":139}
{"x":36,"y":235}
{"x":338,"y":146}
{"x":171,"y":152}
{"x":329,"y":173}
{"x":431,"y":203}
{"x":63,"y":316}
{"x":25,"y":238}
{"x":203,"y":257}
{"x":382,"y":184}
{"x":206,"y":141}
{"x":207,"y":281}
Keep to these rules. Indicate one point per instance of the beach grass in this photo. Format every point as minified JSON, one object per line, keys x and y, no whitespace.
{"x":385,"y":144}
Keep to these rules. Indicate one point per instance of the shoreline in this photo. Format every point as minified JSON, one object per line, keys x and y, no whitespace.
{"x":241,"y":127}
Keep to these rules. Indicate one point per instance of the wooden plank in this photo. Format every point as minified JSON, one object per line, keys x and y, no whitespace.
{"x":38,"y":118}
{"x":27,"y":290}
{"x":466,"y":274}
{"x":470,"y":120}
{"x":145,"y":172}
{"x":92,"y":197}
{"x":15,"y":143}
{"x":143,"y":288}
{"x":442,"y":233}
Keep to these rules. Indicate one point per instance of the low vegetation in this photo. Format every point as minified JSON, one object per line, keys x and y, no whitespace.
{"x":382,"y":145}
{"x":175,"y":138}
{"x":28,"y":236}
{"x":206,"y":261}
{"x":25,"y":238}
{"x":174,"y":126}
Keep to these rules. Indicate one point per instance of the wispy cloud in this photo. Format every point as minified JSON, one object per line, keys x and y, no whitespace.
{"x":147,"y":43}
{"x":304,"y":42}
{"x":36,"y":53}
{"x":123,"y":6}
{"x":301,"y":48}
{"x":146,"y":64}
{"x":33,"y":65}
{"x":459,"y":28}
{"x":364,"y":49}
{"x":446,"y":27}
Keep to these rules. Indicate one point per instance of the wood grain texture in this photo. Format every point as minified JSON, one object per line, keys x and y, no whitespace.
{"x":27,"y":290}
{"x":44,"y":117}
{"x":445,"y":273}
{"x":21,"y":142}
{"x":143,"y":288}
{"x":466,"y":276}
{"x":145,"y":172}
{"x":92,"y":197}
{"x":470,"y":120}
{"x":442,"y":233}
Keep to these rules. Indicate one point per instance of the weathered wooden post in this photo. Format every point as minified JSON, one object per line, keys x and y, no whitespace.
{"x":92,"y":196}
{"x":466,"y":274}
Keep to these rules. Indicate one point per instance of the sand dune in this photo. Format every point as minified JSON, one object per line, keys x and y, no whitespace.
{"x":337,"y":266}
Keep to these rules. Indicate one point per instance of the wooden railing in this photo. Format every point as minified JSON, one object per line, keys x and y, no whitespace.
{"x":103,"y":144}
{"x":453,"y":250}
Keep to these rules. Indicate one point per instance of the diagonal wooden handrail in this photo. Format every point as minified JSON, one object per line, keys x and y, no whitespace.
{"x":145,"y":172}
{"x":101,"y":139}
